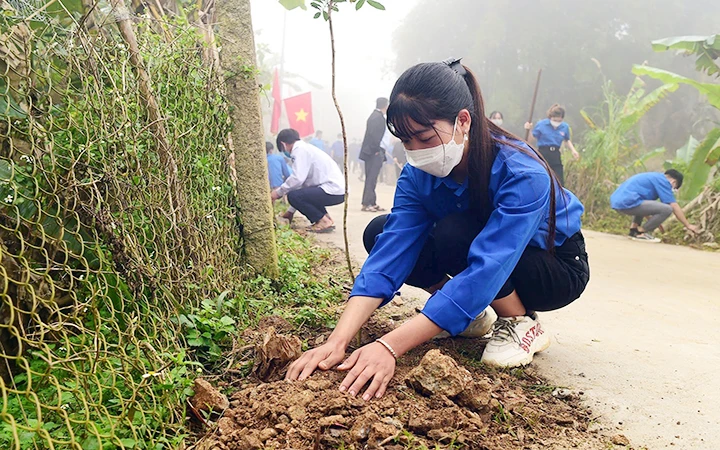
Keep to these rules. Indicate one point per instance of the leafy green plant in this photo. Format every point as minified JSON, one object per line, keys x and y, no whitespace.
{"x":209,"y":328}
{"x":707,"y":50}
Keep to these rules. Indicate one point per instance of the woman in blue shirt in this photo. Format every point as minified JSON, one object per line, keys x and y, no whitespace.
{"x":550,"y":134}
{"x":478,"y":219}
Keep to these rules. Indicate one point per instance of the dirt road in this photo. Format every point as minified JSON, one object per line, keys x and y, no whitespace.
{"x":641,"y":343}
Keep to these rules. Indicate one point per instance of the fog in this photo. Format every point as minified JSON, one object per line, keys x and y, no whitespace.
{"x":579,"y":46}
{"x":365,"y":61}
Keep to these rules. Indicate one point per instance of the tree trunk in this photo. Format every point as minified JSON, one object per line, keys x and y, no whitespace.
{"x":237,"y":59}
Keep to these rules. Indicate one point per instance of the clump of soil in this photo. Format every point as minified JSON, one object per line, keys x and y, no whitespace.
{"x":432,"y":401}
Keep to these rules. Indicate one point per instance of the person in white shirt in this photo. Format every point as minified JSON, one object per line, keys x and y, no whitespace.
{"x":316,"y":182}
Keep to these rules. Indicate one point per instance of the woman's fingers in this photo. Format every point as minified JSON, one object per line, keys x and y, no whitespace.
{"x":360,"y":381}
{"x":350,"y":362}
{"x":330,"y":360}
{"x":374,"y":387}
{"x":295,"y":368}
{"x":383,"y":386}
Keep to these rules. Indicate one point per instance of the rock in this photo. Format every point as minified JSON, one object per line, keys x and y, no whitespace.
{"x":396,"y":316}
{"x":284,"y":419}
{"x":249,"y":441}
{"x":563,"y":394}
{"x":476,"y":396}
{"x":421,"y":425}
{"x":267,"y":433}
{"x":302,"y":398}
{"x":207,"y":398}
{"x":274,"y":354}
{"x":438,"y":374}
{"x":297,"y":412}
{"x":328,"y":421}
{"x":392,"y":421}
{"x":565,"y":421}
{"x":380,"y":431}
{"x":362,"y":426}
{"x":620,"y":439}
{"x":225,"y":426}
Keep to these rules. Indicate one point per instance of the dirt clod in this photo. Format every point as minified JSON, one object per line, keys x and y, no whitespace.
{"x":273,"y":355}
{"x":438,"y":374}
{"x":447,"y":405}
{"x":620,"y":439}
{"x":207,"y":398}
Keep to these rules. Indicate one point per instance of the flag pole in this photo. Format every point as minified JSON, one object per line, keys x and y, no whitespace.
{"x":532,"y":105}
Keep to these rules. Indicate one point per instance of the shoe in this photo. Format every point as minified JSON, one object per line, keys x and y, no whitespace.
{"x":633,"y":232}
{"x":515,"y":340}
{"x":646,"y":237}
{"x":480,"y":327}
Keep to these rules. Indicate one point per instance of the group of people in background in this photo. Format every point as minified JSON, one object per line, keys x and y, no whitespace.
{"x":316,"y":183}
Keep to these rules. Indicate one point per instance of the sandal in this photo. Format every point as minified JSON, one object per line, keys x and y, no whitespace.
{"x":329,"y":229}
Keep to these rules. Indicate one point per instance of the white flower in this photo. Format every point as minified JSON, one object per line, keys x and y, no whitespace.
{"x":216,"y":188}
{"x":209,"y":216}
{"x":65,"y":406}
{"x":61,"y":349}
{"x":9,"y":199}
{"x":26,"y":158}
{"x":113,"y":225}
{"x":81,"y":277}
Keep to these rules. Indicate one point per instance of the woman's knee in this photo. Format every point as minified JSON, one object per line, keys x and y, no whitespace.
{"x":374,"y":228}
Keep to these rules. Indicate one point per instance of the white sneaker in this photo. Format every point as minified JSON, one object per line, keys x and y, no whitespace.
{"x":481,"y":326}
{"x":515,"y":340}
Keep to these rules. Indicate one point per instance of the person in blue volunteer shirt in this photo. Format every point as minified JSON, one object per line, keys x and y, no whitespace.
{"x":550,"y":134}
{"x":479,"y":220}
{"x":637,"y":197}
{"x":278,"y":169}
{"x":318,"y":142}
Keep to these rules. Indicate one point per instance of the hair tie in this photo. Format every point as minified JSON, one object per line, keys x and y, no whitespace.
{"x":454,"y":64}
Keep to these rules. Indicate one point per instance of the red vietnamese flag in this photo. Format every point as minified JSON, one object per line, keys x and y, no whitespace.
{"x":277,"y":104}
{"x":299,"y":111}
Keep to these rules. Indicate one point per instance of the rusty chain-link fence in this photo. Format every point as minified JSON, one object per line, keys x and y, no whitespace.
{"x":116,"y":215}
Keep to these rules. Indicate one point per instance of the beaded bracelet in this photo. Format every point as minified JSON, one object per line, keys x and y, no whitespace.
{"x":387,"y":346}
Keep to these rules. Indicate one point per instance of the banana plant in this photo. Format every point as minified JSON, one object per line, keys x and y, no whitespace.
{"x":707,"y":50}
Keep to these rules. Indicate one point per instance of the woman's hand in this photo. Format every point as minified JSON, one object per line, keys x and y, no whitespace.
{"x":371,"y":362}
{"x":528,"y":125}
{"x":575,"y":154}
{"x":324,"y":357}
{"x":274,"y":195}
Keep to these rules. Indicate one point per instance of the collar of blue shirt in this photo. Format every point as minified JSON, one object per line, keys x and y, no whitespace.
{"x":452,"y":184}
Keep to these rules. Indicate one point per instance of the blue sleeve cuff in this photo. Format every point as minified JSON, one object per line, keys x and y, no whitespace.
{"x":374,"y":284}
{"x":447,"y":314}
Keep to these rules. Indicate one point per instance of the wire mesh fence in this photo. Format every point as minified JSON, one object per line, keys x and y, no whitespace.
{"x":116,"y":214}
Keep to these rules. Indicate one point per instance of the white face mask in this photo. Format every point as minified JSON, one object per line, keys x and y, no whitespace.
{"x":497,"y":122}
{"x":439,"y":160}
{"x":556,"y":123}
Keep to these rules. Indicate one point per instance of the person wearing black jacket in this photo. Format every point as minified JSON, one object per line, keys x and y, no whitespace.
{"x":373,"y":154}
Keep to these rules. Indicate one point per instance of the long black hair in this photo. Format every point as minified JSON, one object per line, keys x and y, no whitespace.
{"x":428,"y":92}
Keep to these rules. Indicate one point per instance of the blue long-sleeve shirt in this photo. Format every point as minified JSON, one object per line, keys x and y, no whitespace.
{"x":519,"y":188}
{"x":641,"y":187}
{"x":278,"y":170}
{"x":547,"y":135}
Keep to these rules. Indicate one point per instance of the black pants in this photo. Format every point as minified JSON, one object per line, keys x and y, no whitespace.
{"x":311,"y":202}
{"x":373,"y":166}
{"x":544,"y":281}
{"x":554,"y":159}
